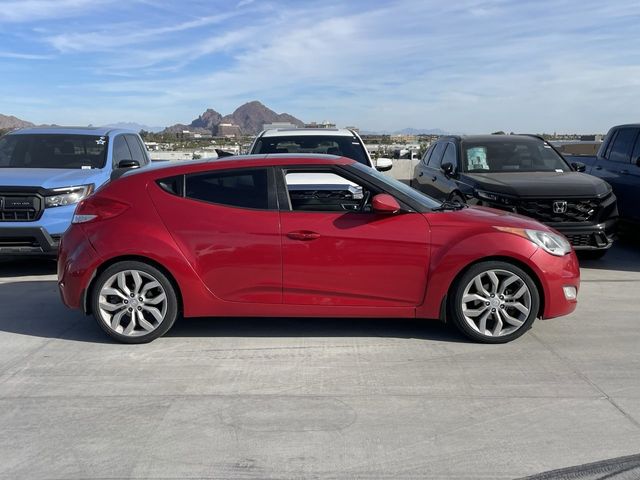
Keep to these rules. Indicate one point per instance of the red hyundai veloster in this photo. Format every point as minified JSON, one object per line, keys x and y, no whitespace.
{"x":304,"y":236}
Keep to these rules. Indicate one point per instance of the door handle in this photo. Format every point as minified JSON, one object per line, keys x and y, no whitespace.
{"x":598,"y":167}
{"x":434,"y":178}
{"x":304,"y":235}
{"x":624,"y":172}
{"x":421,"y":174}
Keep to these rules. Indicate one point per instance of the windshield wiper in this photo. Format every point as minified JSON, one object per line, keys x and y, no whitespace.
{"x":449,"y":205}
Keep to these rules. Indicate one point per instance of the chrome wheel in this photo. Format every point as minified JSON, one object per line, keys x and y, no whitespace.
{"x":496,"y":303}
{"x":132,"y":303}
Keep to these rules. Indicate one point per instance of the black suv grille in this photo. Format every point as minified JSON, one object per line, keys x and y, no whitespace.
{"x":560,"y":210}
{"x":20,"y":207}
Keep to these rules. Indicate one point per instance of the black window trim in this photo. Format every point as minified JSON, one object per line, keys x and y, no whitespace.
{"x":272,"y":199}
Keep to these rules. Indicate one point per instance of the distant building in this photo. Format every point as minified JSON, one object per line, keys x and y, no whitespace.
{"x":324,"y":124}
{"x":274,"y":125}
{"x":227,"y":130}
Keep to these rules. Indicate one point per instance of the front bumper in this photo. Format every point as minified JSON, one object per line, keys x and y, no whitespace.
{"x":555,"y":275}
{"x":18,"y":241}
{"x":583,"y":236}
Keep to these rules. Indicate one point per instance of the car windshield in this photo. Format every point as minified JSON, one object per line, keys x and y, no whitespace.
{"x":414,"y":194}
{"x":510,"y":155}
{"x":53,"y":151}
{"x":343,"y":146}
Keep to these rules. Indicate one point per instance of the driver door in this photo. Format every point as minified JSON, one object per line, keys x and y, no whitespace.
{"x":338,"y":252}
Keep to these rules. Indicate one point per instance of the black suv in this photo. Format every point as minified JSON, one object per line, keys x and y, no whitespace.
{"x":522,"y":174}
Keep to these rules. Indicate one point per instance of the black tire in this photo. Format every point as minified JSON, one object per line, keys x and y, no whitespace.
{"x":591,"y":254}
{"x":456,"y":293}
{"x":167,"y":288}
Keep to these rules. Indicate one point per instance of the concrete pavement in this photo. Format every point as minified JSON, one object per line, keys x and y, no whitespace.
{"x":322,"y":398}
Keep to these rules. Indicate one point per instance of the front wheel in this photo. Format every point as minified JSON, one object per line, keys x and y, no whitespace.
{"x":494,"y":302}
{"x":134,"y":302}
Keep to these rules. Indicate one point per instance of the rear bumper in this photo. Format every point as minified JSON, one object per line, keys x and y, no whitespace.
{"x":77,"y":264}
{"x":582,"y":236}
{"x":18,"y":241}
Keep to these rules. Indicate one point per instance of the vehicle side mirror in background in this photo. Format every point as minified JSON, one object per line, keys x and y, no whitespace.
{"x":122,"y":167}
{"x":128,"y":164}
{"x":448,"y":169}
{"x":579,"y":166}
{"x":385,"y":204}
{"x":384,"y":164}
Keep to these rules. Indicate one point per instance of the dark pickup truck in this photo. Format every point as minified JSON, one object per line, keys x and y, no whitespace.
{"x":526,"y":175}
{"x":618,"y":162}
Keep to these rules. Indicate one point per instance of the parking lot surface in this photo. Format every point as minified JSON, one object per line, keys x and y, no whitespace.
{"x":316,"y":398}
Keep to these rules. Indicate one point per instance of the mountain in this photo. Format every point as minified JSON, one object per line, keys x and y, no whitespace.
{"x":9,"y":122}
{"x":209,"y":119}
{"x":136,"y":127}
{"x":249,"y":117}
{"x":408,"y":131}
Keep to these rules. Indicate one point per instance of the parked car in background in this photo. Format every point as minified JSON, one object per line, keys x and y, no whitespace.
{"x":342,"y":142}
{"x":239,"y":237}
{"x":45,"y":172}
{"x":618,"y":162}
{"x":522,"y":174}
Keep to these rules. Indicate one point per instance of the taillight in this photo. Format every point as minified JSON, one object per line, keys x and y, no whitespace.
{"x":98,"y":208}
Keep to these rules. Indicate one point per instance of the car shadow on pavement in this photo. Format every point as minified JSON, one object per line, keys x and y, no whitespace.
{"x":22,"y":267}
{"x":315,"y":327}
{"x":624,"y":256}
{"x":42,"y":314}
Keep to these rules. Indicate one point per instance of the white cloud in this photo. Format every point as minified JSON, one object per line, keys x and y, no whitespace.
{"x":33,"y":10}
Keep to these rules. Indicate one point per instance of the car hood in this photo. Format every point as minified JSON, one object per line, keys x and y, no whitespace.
{"x":541,"y":184}
{"x":50,"y":177}
{"x":484,"y":217}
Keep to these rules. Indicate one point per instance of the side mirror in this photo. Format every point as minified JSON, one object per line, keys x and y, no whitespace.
{"x":579,"y":166}
{"x":448,"y":169}
{"x":128,"y":164}
{"x":385,"y":204}
{"x":384,"y":164}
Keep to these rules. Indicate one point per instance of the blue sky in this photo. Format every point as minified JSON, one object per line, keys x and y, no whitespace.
{"x":464,"y":66}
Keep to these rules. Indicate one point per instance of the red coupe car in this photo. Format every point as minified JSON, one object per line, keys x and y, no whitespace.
{"x":301,"y":236}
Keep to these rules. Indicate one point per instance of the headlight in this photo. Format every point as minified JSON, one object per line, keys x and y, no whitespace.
{"x":550,"y":242}
{"x":67,"y":196}
{"x":493,"y":197}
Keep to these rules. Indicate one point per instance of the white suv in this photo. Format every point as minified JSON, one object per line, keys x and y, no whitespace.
{"x":331,"y":141}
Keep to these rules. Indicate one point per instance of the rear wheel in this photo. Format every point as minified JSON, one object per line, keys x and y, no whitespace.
{"x":494,"y":302}
{"x":134,"y":302}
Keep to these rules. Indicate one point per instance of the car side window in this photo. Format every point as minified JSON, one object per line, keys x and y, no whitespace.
{"x":120,"y":150}
{"x":436,"y":157}
{"x":635,"y":156}
{"x":137,"y":153}
{"x":326,"y":191}
{"x":427,"y":154}
{"x":450,"y":155}
{"x":622,"y":145}
{"x":245,"y":188}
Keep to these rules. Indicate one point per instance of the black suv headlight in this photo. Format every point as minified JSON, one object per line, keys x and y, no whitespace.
{"x":495,"y":197}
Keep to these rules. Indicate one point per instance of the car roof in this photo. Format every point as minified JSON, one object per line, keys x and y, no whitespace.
{"x":240,"y":161}
{"x":95,"y":131}
{"x":489,"y":138}
{"x":295,"y":132}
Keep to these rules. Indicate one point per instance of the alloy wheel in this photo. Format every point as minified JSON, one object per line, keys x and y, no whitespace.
{"x":132,"y":303}
{"x":496,"y":303}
